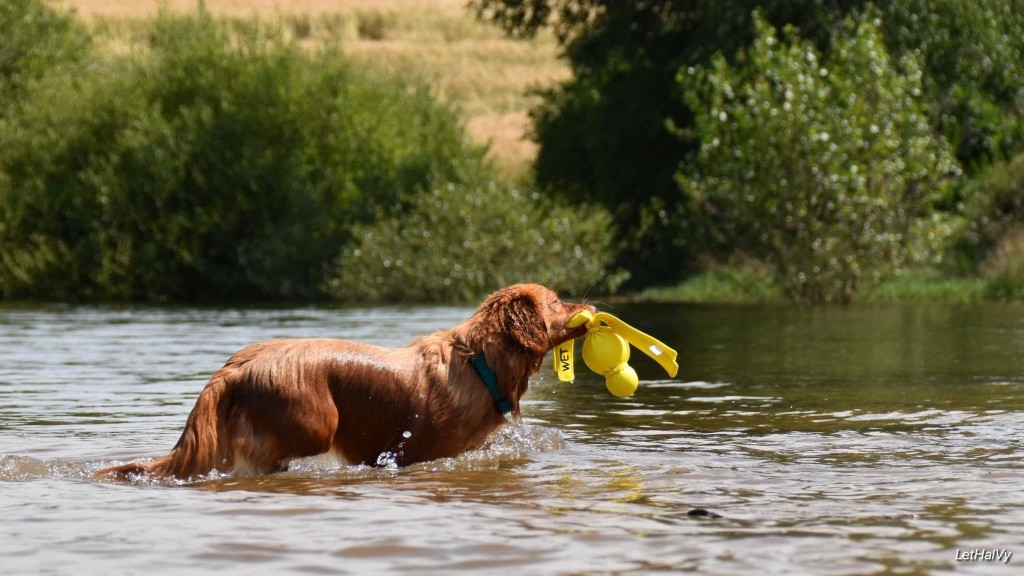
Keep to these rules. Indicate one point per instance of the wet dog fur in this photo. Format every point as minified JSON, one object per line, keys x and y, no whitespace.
{"x":276,"y":401}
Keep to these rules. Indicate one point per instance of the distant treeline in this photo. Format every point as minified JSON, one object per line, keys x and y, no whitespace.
{"x":835,"y":141}
{"x":223,"y":162}
{"x":832,"y":144}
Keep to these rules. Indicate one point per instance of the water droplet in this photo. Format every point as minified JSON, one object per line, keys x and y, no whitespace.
{"x":407,"y":434}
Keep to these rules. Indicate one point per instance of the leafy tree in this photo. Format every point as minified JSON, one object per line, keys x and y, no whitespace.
{"x":602,"y":132}
{"x":973,"y":61}
{"x":825,"y":167}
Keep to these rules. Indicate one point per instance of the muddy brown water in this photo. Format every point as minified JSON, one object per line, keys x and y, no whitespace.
{"x":860,"y":440}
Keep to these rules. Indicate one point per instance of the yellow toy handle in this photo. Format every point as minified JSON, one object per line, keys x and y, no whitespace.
{"x":604,"y":322}
{"x":564,"y":361}
{"x":646,"y":343}
{"x":564,"y":351}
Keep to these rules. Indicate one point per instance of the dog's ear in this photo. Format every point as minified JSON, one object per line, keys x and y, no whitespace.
{"x":525,"y":324}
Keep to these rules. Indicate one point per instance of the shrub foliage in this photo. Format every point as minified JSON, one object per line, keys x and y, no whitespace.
{"x":464,"y":241}
{"x":223,"y":164}
{"x":34,"y":40}
{"x":827,"y":168}
{"x":602,"y":132}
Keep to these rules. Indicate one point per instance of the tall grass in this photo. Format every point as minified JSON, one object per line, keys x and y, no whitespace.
{"x":992,"y":245}
{"x":924,"y":285}
{"x":742,"y":281}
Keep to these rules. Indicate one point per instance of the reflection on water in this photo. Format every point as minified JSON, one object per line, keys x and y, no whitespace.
{"x":830,"y":440}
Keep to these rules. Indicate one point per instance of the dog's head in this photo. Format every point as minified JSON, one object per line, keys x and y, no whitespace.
{"x":533,"y":318}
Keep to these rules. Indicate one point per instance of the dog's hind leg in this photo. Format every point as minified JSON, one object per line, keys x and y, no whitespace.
{"x":267,"y":436}
{"x":202,"y":446}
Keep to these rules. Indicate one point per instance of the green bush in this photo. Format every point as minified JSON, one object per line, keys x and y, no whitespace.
{"x":992,"y":246}
{"x":1002,"y":270}
{"x":972,"y":55}
{"x":214,"y":166}
{"x":1006,"y":280}
{"x":463,"y":241}
{"x":34,"y":39}
{"x":602,"y":133}
{"x":994,"y":209}
{"x":827,"y":168}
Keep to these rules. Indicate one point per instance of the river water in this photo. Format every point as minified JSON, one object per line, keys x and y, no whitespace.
{"x":881,"y":439}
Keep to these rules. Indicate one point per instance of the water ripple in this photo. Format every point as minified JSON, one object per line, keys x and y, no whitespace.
{"x":887,"y":460}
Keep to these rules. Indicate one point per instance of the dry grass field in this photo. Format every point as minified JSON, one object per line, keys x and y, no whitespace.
{"x":468,"y":63}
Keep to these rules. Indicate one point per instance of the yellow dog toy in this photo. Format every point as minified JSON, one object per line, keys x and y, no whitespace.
{"x":606,"y":351}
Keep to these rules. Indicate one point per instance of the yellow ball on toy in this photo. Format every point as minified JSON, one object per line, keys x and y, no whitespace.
{"x":607,"y":353}
{"x":604,"y":351}
{"x":622,"y":381}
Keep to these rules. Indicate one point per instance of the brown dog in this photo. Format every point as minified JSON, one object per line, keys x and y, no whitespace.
{"x":284,"y":399}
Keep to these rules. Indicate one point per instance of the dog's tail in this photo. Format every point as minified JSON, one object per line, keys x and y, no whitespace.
{"x":204,"y":443}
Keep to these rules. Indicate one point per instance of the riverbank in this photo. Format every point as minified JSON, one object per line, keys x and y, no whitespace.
{"x":752,"y":285}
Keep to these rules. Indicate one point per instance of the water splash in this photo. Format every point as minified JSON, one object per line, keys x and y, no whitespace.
{"x":25,"y":469}
{"x":388,"y":460}
{"x":512,"y":443}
